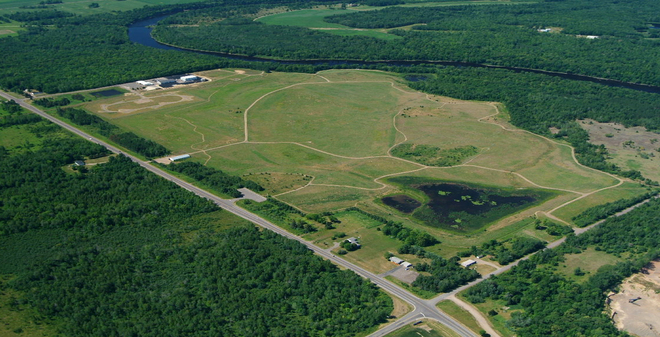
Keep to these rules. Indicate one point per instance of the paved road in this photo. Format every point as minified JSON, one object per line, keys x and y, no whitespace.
{"x":422,"y":308}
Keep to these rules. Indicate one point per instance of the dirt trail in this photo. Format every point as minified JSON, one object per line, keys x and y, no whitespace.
{"x":376,"y":180}
{"x":483,"y":322}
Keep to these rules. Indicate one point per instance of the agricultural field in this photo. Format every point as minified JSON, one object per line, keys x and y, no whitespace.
{"x":325,"y":142}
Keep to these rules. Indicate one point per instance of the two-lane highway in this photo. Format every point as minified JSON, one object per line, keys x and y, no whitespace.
{"x":422,"y":308}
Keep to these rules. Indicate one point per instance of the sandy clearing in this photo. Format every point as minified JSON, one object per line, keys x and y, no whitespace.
{"x":641,"y":317}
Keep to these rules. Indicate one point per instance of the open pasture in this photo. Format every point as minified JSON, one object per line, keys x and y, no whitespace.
{"x":336,"y":127}
{"x":313,"y":19}
{"x":349,"y":119}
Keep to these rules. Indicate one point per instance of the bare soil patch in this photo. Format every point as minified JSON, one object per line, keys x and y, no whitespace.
{"x":632,"y":148}
{"x":617,"y":137}
{"x":641,"y":317}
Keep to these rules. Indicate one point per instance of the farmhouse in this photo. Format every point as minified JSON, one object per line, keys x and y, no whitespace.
{"x":396,"y":260}
{"x":353,"y":241}
{"x":468,"y":263}
{"x":183,"y":156}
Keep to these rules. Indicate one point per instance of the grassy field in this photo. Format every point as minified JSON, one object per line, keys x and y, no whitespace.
{"x":348,"y":119}
{"x":321,"y":143}
{"x":627,"y":190}
{"x":588,"y":261}
{"x":459,"y":314}
{"x":10,"y":28}
{"x":427,"y":328}
{"x":498,"y":321}
{"x":313,"y":19}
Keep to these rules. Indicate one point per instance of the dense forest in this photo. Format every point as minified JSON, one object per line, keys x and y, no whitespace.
{"x":92,"y":51}
{"x":114,"y":250}
{"x":495,"y":34}
{"x":544,"y":295}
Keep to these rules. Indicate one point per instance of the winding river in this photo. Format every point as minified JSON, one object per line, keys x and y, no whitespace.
{"x":140,"y":32}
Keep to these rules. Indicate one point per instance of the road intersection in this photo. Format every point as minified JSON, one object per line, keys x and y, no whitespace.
{"x":422,"y":308}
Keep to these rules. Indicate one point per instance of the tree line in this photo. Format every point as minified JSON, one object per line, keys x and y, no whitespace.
{"x":127,"y":139}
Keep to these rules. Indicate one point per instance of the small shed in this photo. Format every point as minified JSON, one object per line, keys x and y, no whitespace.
{"x":183,"y":156}
{"x":468,"y":263}
{"x":79,"y":163}
{"x":396,"y":260}
{"x":406,"y":264}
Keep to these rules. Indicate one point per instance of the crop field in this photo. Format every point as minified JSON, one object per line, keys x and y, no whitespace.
{"x":323,"y":142}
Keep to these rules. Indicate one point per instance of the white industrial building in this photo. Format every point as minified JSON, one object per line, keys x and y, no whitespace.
{"x":164,"y":80}
{"x":183,"y":156}
{"x":189,"y":78}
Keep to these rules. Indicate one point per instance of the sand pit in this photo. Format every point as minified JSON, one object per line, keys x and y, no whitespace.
{"x":641,"y":318}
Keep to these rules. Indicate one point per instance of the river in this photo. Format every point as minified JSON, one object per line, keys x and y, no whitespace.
{"x":140,"y":32}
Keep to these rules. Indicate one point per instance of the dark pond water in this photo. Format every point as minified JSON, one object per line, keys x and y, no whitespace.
{"x":402,"y":203}
{"x":106,"y":93}
{"x":452,"y":198}
{"x":140,"y":32}
{"x":459,"y":207}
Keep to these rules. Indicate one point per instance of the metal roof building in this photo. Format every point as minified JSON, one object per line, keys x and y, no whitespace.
{"x":183,"y":156}
{"x":396,"y":260}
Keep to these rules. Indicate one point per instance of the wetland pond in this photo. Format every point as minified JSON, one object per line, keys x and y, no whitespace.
{"x":462,"y":208}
